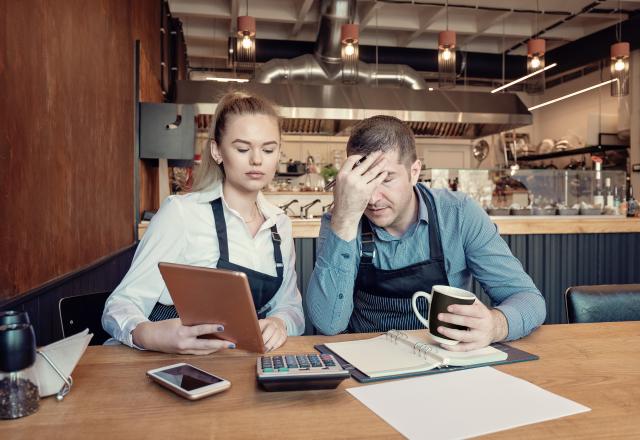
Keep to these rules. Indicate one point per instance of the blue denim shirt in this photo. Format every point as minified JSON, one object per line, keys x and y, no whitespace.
{"x":471,"y":246}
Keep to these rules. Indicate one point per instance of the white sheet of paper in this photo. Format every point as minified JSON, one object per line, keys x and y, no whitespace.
{"x":462,"y":404}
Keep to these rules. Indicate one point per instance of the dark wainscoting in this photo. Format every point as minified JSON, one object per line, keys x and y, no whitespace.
{"x":42,"y":303}
{"x":554,"y":262}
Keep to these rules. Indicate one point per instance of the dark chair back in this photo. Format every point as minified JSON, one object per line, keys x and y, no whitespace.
{"x":603,"y":303}
{"x":84,"y":311}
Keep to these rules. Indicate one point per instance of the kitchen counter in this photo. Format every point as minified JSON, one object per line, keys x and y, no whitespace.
{"x":507,"y":225}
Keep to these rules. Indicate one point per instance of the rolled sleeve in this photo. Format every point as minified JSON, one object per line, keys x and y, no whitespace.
{"x":330,"y":292}
{"x":500,"y":274}
{"x":136,"y":295}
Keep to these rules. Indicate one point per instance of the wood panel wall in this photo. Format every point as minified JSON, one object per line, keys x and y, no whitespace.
{"x":145,"y":23}
{"x":66,"y":143}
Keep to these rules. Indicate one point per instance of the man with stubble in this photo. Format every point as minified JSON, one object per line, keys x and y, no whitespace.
{"x":388,"y":237}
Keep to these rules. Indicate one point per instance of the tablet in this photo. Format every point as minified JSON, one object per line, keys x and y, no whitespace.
{"x":205,"y":295}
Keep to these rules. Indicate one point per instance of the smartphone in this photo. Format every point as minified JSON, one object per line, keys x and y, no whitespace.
{"x":188,"y":381}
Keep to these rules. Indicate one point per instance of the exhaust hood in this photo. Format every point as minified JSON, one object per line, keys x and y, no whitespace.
{"x":330,"y":109}
{"x":313,"y":100}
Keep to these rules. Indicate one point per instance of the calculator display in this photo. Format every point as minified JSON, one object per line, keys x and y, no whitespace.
{"x":187,"y":377}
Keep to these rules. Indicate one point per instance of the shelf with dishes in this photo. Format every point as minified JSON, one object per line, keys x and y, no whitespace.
{"x":571,"y":152}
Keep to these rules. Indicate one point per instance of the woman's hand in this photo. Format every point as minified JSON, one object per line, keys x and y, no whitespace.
{"x":274,"y":332}
{"x":170,"y":336}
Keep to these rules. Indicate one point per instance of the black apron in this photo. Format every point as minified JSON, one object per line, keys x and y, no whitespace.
{"x":382,"y":298}
{"x":263,"y":286}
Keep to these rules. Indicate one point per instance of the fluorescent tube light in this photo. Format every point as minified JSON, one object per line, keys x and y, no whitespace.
{"x":572,"y":94}
{"x":524,"y":77}
{"x":219,"y":79}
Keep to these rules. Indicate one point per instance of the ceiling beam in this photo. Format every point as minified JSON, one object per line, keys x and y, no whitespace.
{"x":427,"y":18}
{"x":368,"y":12}
{"x":483,"y":25}
{"x":302,"y":13}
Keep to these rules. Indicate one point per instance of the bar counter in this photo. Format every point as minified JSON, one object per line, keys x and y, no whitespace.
{"x":556,"y":251}
{"x":507,"y":225}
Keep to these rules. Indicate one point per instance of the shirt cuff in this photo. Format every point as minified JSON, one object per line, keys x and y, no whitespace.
{"x":126,"y":336}
{"x":289,"y":327}
{"x":338,"y":253}
{"x":515,"y":322}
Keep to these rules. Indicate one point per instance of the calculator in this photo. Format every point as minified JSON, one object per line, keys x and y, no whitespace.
{"x":290,"y":372}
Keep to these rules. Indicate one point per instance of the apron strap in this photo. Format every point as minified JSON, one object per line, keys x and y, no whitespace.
{"x":435,"y":244}
{"x":223,"y":244}
{"x":277,"y":252}
{"x":368,"y":251}
{"x":221,"y":228}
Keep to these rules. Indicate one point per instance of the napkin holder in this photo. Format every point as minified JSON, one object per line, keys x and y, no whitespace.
{"x":55,"y":363}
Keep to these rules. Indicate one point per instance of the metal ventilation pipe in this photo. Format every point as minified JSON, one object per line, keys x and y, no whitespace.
{"x":325,"y":66}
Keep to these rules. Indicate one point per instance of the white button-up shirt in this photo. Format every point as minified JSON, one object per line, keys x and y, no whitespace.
{"x":183,"y":231}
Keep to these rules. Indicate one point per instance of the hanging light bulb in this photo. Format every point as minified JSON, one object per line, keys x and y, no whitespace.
{"x":349,"y":49}
{"x":536,"y":48}
{"x":246,"y":42}
{"x":535,"y":62}
{"x":244,"y":55}
{"x":620,"y":69}
{"x":349,"y":38}
{"x":447,"y":59}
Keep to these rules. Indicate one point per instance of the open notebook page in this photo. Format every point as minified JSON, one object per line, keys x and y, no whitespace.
{"x":381,"y":356}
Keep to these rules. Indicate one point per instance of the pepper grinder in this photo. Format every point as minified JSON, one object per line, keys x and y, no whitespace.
{"x":19,"y":395}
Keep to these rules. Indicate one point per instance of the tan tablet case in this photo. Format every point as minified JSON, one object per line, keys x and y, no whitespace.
{"x":204,"y":295}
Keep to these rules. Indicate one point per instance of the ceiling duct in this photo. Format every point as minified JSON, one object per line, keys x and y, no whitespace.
{"x":313,"y":100}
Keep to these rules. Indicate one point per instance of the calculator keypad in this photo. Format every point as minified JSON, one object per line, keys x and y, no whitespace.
{"x":290,"y":372}
{"x":298,"y":364}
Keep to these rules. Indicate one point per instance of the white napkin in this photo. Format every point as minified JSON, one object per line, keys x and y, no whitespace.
{"x":65,"y":354}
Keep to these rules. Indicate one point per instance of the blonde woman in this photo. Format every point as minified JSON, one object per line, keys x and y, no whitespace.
{"x":224,"y":222}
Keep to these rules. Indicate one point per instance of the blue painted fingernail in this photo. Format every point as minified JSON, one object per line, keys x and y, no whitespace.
{"x":220,"y":328}
{"x":232,"y":345}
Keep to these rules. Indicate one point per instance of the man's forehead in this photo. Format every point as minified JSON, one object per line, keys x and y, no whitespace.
{"x":393,"y":156}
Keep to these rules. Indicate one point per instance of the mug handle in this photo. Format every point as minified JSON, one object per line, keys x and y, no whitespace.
{"x":414,"y":306}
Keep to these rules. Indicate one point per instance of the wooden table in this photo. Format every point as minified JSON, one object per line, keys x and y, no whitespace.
{"x":597,"y":365}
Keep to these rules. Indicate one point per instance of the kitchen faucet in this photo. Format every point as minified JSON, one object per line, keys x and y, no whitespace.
{"x":286,"y":206}
{"x":327,"y":207}
{"x":304,"y":210}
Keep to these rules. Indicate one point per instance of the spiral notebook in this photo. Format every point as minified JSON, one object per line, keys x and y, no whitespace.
{"x":397,"y":354}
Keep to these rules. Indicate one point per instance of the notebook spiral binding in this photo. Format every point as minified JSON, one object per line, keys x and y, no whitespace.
{"x":395,"y":334}
{"x":423,"y":349}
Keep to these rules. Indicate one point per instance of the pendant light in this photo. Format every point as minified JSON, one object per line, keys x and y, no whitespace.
{"x":535,"y":66}
{"x":349,"y":39}
{"x":245,"y":42}
{"x":536,"y":48}
{"x":619,"y":63}
{"x":447,"y":55}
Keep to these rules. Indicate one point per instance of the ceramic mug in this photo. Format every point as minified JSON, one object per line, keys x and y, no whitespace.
{"x":439,"y":299}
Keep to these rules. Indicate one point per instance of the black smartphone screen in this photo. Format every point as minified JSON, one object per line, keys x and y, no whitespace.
{"x":188,"y":377}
